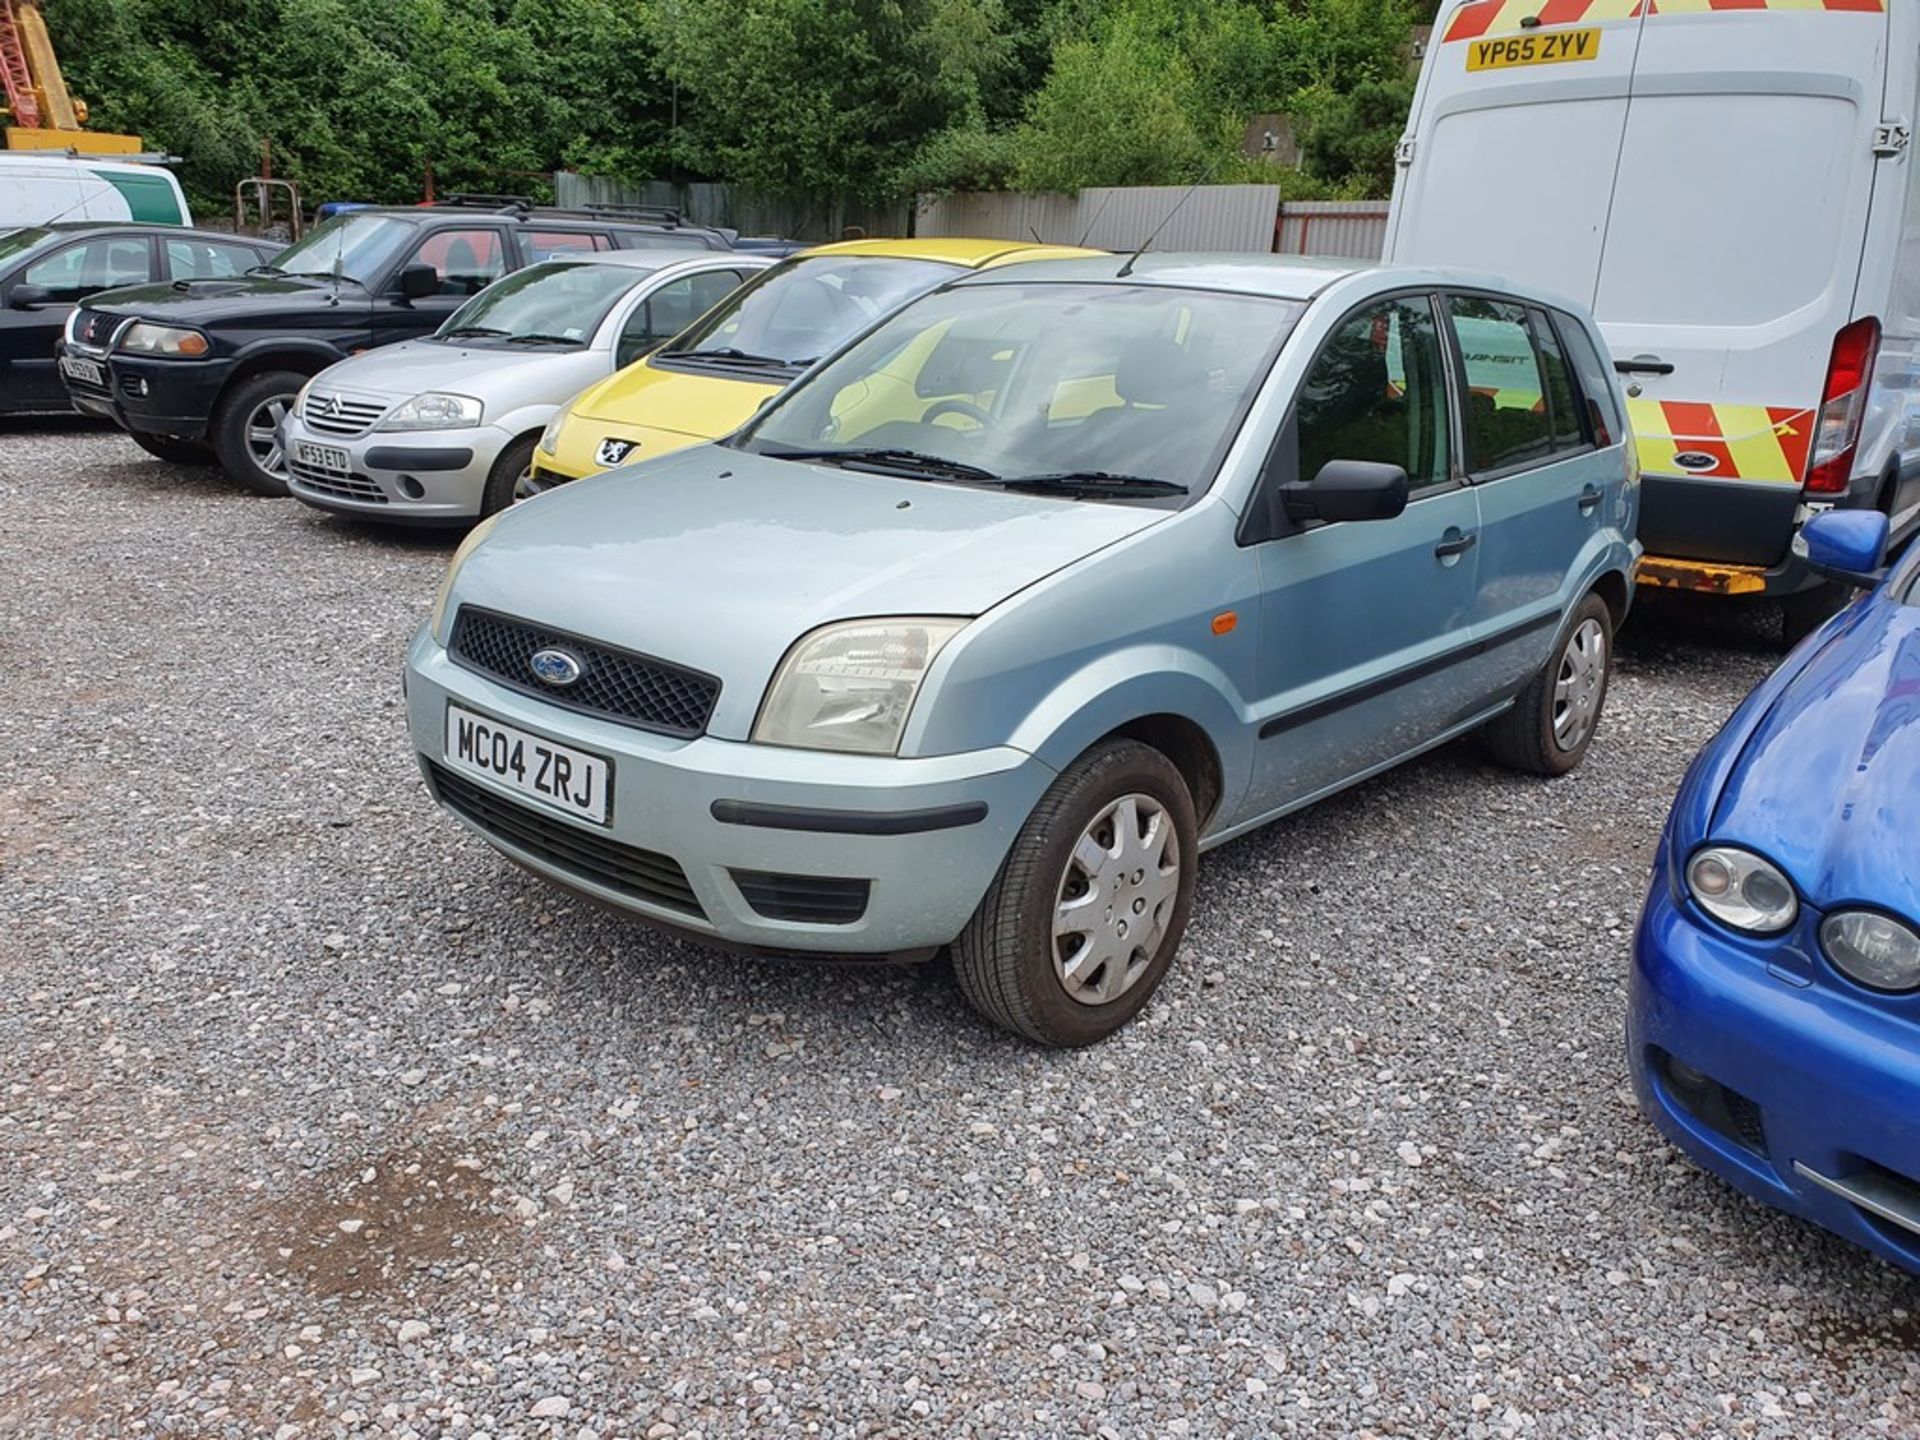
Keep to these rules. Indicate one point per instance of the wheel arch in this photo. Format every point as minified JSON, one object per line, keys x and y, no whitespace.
{"x":1185,"y":743}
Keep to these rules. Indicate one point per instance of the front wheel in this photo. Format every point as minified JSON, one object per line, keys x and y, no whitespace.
{"x":1082,"y":921}
{"x":173,"y":451}
{"x":246,"y":429}
{"x":1551,"y":725}
{"x":508,"y":478}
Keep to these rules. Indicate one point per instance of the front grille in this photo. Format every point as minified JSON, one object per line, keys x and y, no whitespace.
{"x":617,"y":684}
{"x":95,"y":328}
{"x":332,"y":482}
{"x":813,"y":899}
{"x":339,"y":415}
{"x":587,"y":854}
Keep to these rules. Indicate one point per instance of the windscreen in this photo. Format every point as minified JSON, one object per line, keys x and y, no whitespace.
{"x":1011,"y":382}
{"x":804,"y":308}
{"x":556,"y":302}
{"x":359,"y":245}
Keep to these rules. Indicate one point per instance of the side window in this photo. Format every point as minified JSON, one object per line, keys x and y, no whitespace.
{"x":670,"y":309}
{"x":80,"y":270}
{"x":467,"y":261}
{"x":1595,"y":379}
{"x":1568,"y":431}
{"x":545,"y":244}
{"x":1377,"y":392}
{"x":207,"y":259}
{"x":1507,"y":420}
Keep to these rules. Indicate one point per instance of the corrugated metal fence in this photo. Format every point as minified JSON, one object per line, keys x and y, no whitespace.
{"x":1209,"y":217}
{"x":736,"y":209}
{"x":1356,"y":229}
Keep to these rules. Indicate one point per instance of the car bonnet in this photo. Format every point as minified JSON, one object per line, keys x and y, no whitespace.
{"x":719,"y":560}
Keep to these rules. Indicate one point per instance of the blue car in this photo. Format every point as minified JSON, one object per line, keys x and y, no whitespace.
{"x":1774,"y":1028}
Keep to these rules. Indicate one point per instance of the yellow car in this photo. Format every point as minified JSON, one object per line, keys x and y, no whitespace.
{"x":708,"y":380}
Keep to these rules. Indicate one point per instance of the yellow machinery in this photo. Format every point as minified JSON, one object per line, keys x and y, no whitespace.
{"x":40,"y":114}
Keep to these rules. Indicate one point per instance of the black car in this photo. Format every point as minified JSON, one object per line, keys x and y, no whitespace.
{"x":45,"y":270}
{"x":206,"y":369}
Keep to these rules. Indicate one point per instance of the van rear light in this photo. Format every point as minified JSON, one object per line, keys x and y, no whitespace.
{"x":1843,"y":406}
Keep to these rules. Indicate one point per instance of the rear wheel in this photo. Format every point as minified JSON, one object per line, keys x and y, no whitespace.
{"x":1082,"y":921}
{"x":1551,"y":724}
{"x":246,"y":429}
{"x":174,"y":451}
{"x":509,"y":476}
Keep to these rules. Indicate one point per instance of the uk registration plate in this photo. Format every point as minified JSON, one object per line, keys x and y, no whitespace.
{"x":557,"y":775}
{"x":87,"y":372}
{"x":1556,"y":47}
{"x":322,"y":457}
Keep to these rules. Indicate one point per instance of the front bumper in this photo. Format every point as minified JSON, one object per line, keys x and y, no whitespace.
{"x":794,"y":815}
{"x":1833,"y":1077}
{"x":431,"y":477}
{"x":173,"y":398}
{"x":577,"y":448}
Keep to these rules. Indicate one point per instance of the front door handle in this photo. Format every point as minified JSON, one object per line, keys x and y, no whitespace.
{"x":1644,"y":365}
{"x":1455,"y":545}
{"x":1590,"y":499}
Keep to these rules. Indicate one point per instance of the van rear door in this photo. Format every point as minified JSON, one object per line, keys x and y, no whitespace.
{"x":1517,"y":129}
{"x":1739,"y":216}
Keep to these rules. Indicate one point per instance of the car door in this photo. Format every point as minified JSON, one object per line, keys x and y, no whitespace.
{"x":1533,"y":453}
{"x":63,"y":277}
{"x":1364,"y":625}
{"x":669,"y":308}
{"x":465,"y":259}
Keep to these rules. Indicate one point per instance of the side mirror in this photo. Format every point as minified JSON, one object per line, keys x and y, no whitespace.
{"x":30,"y":297}
{"x":419,"y":280}
{"x":1348,"y":490}
{"x":1846,"y":545}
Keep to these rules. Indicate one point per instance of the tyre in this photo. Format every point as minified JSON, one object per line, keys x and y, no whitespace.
{"x":246,"y":425}
{"x":503,"y":480}
{"x":1805,"y":611}
{"x":1082,"y":921}
{"x":174,"y":451}
{"x":1551,"y":724}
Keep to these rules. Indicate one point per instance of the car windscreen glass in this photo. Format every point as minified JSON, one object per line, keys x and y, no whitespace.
{"x":1101,"y":390}
{"x":556,"y":302}
{"x":17,"y":242}
{"x":358,"y":245}
{"x":804,"y":308}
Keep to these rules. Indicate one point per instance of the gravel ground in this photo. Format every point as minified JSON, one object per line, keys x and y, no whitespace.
{"x":321,"y":1119}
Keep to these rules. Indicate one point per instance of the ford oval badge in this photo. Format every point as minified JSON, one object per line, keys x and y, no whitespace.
{"x":1696,"y":461}
{"x":554,"y":667}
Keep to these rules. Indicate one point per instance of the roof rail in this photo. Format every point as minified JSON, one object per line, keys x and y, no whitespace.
{"x":467,"y":200}
{"x":664,"y":214}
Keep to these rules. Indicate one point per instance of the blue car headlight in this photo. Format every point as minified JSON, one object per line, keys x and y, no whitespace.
{"x":1742,"y":889}
{"x":1876,"y":950}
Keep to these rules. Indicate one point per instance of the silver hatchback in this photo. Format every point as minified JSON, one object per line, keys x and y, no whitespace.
{"x":441,"y":430}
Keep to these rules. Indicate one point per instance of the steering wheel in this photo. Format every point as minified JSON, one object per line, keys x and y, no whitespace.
{"x":962,"y":407}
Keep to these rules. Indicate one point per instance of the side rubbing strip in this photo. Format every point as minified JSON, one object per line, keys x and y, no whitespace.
{"x":1372,"y":689}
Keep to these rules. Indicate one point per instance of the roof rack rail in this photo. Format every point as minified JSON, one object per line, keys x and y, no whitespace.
{"x":469,"y":200}
{"x":665,"y":214}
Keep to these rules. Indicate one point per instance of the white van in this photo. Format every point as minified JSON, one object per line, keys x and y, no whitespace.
{"x":1731,"y":189}
{"x":39,"y":188}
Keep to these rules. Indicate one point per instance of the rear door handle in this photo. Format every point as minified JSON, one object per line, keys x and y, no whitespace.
{"x":1458,"y":545}
{"x":1644,"y":365}
{"x":1589,"y":499}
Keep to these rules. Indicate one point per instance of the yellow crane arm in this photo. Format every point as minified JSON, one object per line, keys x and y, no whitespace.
{"x":58,"y":111}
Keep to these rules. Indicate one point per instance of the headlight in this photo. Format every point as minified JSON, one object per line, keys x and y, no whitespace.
{"x":467,"y":547}
{"x":850,"y":686}
{"x":1740,"y":889}
{"x":148,"y":339}
{"x":550,"y":437}
{"x":434,"y":411}
{"x":1877,"y":950}
{"x":300,"y":400}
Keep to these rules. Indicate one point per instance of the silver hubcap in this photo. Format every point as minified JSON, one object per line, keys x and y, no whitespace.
{"x":1576,"y":694}
{"x":263,"y":435}
{"x":526,"y":487}
{"x":1116,"y":899}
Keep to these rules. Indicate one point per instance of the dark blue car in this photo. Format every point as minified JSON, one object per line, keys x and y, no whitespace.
{"x":1774,"y":1029}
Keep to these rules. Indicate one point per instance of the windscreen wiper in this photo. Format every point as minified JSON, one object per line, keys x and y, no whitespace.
{"x":1096,"y":484}
{"x":265,"y":270}
{"x":536,"y":338}
{"x":463,"y":332}
{"x":726,"y":354}
{"x":892,"y":460}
